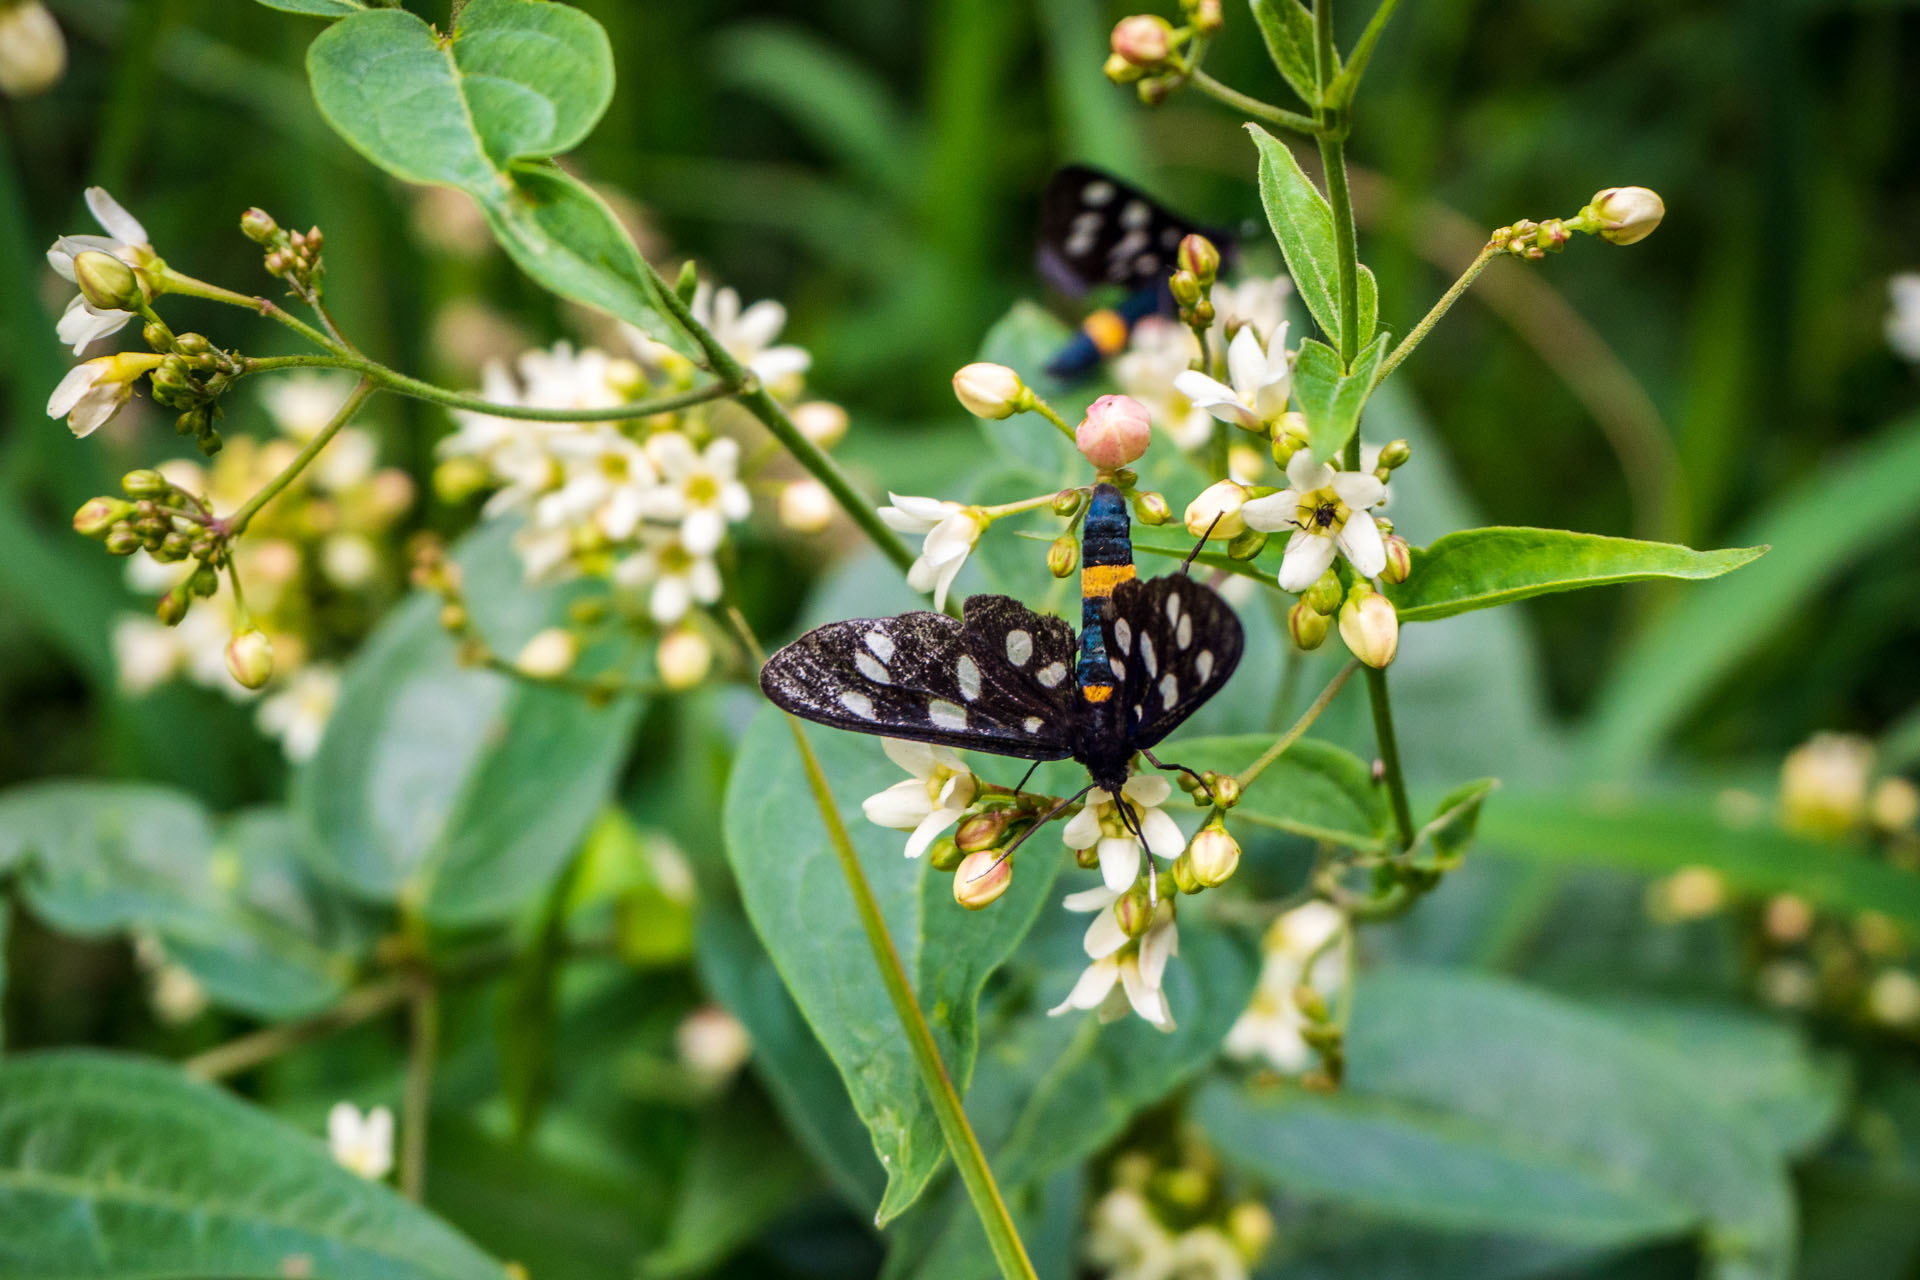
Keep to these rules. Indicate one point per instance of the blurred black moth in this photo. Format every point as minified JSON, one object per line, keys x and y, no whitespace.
{"x":1008,"y":681}
{"x":1097,"y":230}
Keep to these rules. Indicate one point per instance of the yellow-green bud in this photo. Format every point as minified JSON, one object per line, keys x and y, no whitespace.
{"x":1247,"y":544}
{"x":1066,"y":502}
{"x":981,"y":878}
{"x":258,"y":226}
{"x":192,"y":344}
{"x":250,"y":657}
{"x":1184,"y":878}
{"x":1307,"y":625}
{"x":1394,"y":454}
{"x":454,"y":616}
{"x":684,"y":658}
{"x":145,"y":483}
{"x":1250,"y":1227}
{"x":1215,"y":854}
{"x":1133,"y":911}
{"x":123,"y":541}
{"x":1198,"y":255}
{"x":990,"y":390}
{"x":1369,"y":626}
{"x":982,"y":830}
{"x":97,"y":517}
{"x":1152,"y":508}
{"x":1119,"y":70}
{"x":1399,"y":560}
{"x":1185,"y":287}
{"x":1063,"y":556}
{"x":1215,"y":513}
{"x":172,"y":607}
{"x":205,"y":582}
{"x":1226,"y":789}
{"x":106,"y":282}
{"x":1325,"y":594}
{"x":1626,"y":215}
{"x":945,"y":854}
{"x":550,"y":653}
{"x":687,"y":284}
{"x":1289,"y":437}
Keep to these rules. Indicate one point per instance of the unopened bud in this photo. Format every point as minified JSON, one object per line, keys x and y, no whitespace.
{"x":1143,"y":40}
{"x":1063,"y":557}
{"x":806,"y":506}
{"x":1215,"y":854}
{"x":1216,"y":512}
{"x":548,"y":654}
{"x":981,"y":878}
{"x":1626,"y":215}
{"x":1198,"y":255}
{"x":1289,"y":437}
{"x":944,"y":854}
{"x":155,"y":335}
{"x":1225,"y":788}
{"x":1185,"y":287}
{"x":1325,"y":594}
{"x":1247,"y":544}
{"x":1307,"y":625}
{"x":1399,"y":560}
{"x":1087,"y":859}
{"x":684,"y":658}
{"x":688,"y":282}
{"x":258,"y":225}
{"x":1115,"y":432}
{"x":107,"y":283}
{"x":123,"y":541}
{"x":205,"y":581}
{"x":990,"y":390}
{"x":1250,"y":1226}
{"x":1134,"y":911}
{"x":1155,"y":90}
{"x":1184,"y":877}
{"x":1119,"y":70}
{"x":97,"y":517}
{"x":172,"y":607}
{"x":1151,"y":508}
{"x":1065,"y":502}
{"x":1394,"y":454}
{"x":982,"y":831}
{"x":1370,"y":627}
{"x":250,"y":657}
{"x":145,"y":483}
{"x":820,"y":421}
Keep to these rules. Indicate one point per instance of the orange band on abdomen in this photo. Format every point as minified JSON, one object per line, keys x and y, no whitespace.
{"x":1096,"y":692}
{"x":1101,"y":579}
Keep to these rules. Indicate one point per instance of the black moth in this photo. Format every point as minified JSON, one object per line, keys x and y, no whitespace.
{"x":1008,"y":681}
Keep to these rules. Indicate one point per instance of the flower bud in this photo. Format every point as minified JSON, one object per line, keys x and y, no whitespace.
{"x":122,"y":541}
{"x":982,"y":830}
{"x":1198,"y":255}
{"x":172,"y":607}
{"x":1087,"y":859}
{"x":106,"y":282}
{"x":684,"y":658}
{"x":97,"y":516}
{"x":1370,"y":627}
{"x":205,"y":581}
{"x":1185,"y":287}
{"x":1325,"y":594}
{"x":945,"y":854}
{"x":1208,"y":17}
{"x":1119,"y":70}
{"x":1215,"y":854}
{"x":1626,"y":215}
{"x":806,"y":506}
{"x":1216,"y":512}
{"x":1399,"y":560}
{"x":33,"y":53}
{"x":258,"y":225}
{"x":1115,"y":432}
{"x":1247,"y":544}
{"x":1151,"y":508}
{"x":1143,"y":40}
{"x":1250,"y":1227}
{"x":1289,"y":437}
{"x":990,"y":390}
{"x":1063,"y":557}
{"x":820,"y":421}
{"x":548,"y":654}
{"x":1307,"y":625}
{"x":1184,"y":878}
{"x":145,"y":483}
{"x":981,"y":878}
{"x":1225,"y":788}
{"x":1065,"y":502}
{"x":1394,"y":454}
{"x":1134,"y":911}
{"x":250,"y":657}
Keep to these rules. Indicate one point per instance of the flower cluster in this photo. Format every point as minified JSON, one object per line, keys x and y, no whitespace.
{"x":1174,"y":1218}
{"x":1300,"y":969}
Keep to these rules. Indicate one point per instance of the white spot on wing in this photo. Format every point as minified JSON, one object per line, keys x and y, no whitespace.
{"x":1123,"y":635}
{"x":1032,"y":724}
{"x":1169,"y":690}
{"x":858,"y":703}
{"x":969,"y":673}
{"x":1119,"y":667}
{"x":1019,"y":647}
{"x":1203,"y":665}
{"x":881,"y":644}
{"x":1096,"y":193}
{"x":946,"y":715}
{"x":870,"y":668}
{"x":1147,"y":655}
{"x":1173,"y":607}
{"x":1135,"y":213}
{"x":1183,"y":634}
{"x":1052,"y":674}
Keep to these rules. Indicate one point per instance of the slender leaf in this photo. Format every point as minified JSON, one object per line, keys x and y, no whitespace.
{"x":1457,"y":817}
{"x":800,"y":906}
{"x":1314,"y":789}
{"x":317,"y":8}
{"x":112,"y":1168}
{"x":1302,"y":222}
{"x":1484,"y":568}
{"x":1331,"y":399}
{"x":1287,"y":28}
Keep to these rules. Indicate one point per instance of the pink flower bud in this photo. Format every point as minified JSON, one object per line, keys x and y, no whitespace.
{"x":1115,"y":432}
{"x":1144,"y":39}
{"x":981,"y":878}
{"x":1370,"y":627}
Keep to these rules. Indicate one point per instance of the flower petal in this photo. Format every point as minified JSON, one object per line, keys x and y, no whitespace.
{"x":1095,"y":899}
{"x":929,"y":830}
{"x":1083,"y":828}
{"x":1091,"y":988}
{"x":1272,"y":513}
{"x":1104,"y":935}
{"x":120,"y":224}
{"x":1360,"y":538}
{"x":902,"y":806}
{"x":917,"y":758}
{"x":1307,"y":557}
{"x":77,"y":382}
{"x":1164,"y":839}
{"x":1246,"y":363}
{"x":1304,"y":474}
{"x":1145,"y":997}
{"x":1358,"y":489}
{"x":1147,"y":789}
{"x":1119,"y":862}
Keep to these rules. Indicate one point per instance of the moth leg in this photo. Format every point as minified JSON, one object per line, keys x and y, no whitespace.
{"x":1194,"y":554}
{"x":1021,"y":839}
{"x":1158,"y":763}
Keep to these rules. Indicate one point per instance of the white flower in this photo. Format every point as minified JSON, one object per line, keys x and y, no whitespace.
{"x":1124,"y":972}
{"x":33,"y":53}
{"x":1125,"y":1237}
{"x":702,"y":489}
{"x":362,"y":1144}
{"x":1256,"y":302}
{"x":712,"y":1043}
{"x":1262,"y":378}
{"x":1272,"y":1025}
{"x":93,"y":392}
{"x":1159,"y":351}
{"x":303,"y":402}
{"x":1328,"y":511}
{"x":83,"y":323}
{"x":1903,"y":321}
{"x":298,"y":711}
{"x":605,"y":481}
{"x":676,"y":578}
{"x":930,"y":801}
{"x":1099,"y":825}
{"x":951,"y":531}
{"x":748,"y":334}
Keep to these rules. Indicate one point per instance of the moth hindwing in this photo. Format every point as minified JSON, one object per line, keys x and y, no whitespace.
{"x":999,"y":681}
{"x":1095,"y":229}
{"x":1174,"y":643}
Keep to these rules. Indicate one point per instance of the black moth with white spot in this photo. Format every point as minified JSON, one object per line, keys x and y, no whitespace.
{"x":1095,"y":229}
{"x":1003,"y":679}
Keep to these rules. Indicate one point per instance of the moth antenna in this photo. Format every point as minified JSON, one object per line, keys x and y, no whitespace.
{"x":1021,"y":839}
{"x":1024,"y":778}
{"x":1131,"y":822}
{"x":1162,"y":765}
{"x":1194,"y":554}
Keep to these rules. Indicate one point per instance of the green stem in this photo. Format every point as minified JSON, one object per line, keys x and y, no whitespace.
{"x":1390,"y":754}
{"x":256,"y":1048}
{"x":1300,"y":726}
{"x":1052,"y":415}
{"x":1440,"y":308}
{"x":237,"y":523}
{"x":188,"y":287}
{"x":962,"y":1145}
{"x":1348,"y":81}
{"x":416,"y":1106}
{"x":1292,"y":121}
{"x":756,"y":400}
{"x":400,"y":384}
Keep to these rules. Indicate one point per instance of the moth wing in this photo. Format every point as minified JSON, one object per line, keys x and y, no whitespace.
{"x":1001,"y":681}
{"x":1096,"y":229}
{"x":1177,"y":643}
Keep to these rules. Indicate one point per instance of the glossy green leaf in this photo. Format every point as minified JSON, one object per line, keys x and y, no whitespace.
{"x":317,"y":8}
{"x":1660,"y":833}
{"x":794,"y":893}
{"x":1302,"y":222}
{"x":461,"y":789}
{"x":114,"y":1168}
{"x":1287,"y":28}
{"x":518,"y":82}
{"x":1332,"y":399}
{"x":234,"y":904}
{"x":1483,"y":568}
{"x":1314,"y":789}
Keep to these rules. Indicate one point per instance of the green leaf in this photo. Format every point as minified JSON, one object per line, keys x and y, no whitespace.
{"x":316,"y":8}
{"x":1457,"y":817}
{"x":518,"y":82}
{"x":1287,"y":27}
{"x":1302,"y":222}
{"x":1330,"y":399}
{"x":799,"y":904}
{"x":528,"y":1012}
{"x":1816,"y":530}
{"x":1483,"y":568}
{"x":113,"y":1167}
{"x":1314,"y":789}
{"x":1661,"y":833}
{"x":461,"y":789}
